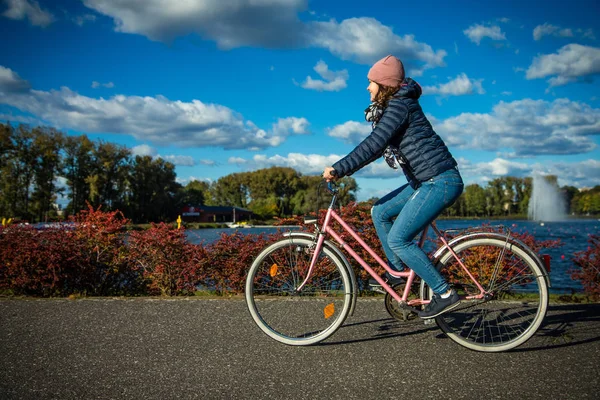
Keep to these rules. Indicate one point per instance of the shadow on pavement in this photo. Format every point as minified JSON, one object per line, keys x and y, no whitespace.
{"x":564,"y":326}
{"x":385,"y":329}
{"x":567,"y":325}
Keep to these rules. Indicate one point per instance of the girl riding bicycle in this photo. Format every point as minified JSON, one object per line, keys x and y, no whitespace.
{"x":404,"y":136}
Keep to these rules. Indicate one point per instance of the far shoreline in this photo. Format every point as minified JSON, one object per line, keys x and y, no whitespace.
{"x":215,"y":225}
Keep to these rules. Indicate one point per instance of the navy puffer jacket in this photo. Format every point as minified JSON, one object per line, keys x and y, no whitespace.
{"x":404,"y":125}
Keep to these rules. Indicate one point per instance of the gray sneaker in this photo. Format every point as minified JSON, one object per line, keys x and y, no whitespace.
{"x":439,"y":305}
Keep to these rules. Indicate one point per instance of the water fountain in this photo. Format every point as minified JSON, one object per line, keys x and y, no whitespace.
{"x":546,"y":202}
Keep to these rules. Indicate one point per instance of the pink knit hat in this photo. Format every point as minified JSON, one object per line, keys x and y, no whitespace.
{"x":388,"y":71}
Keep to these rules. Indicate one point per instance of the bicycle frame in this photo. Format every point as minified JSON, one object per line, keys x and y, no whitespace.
{"x":326,"y":229}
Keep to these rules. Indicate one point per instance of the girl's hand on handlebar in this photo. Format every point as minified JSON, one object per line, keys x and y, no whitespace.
{"x":329,"y":174}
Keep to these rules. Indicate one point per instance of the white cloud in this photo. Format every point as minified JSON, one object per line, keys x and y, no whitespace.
{"x":21,"y":9}
{"x":210,"y":163}
{"x":11,"y":82}
{"x":308,"y":164}
{"x":143,"y":150}
{"x":153,"y":119}
{"x":526,"y":127}
{"x":236,"y":160}
{"x":580,"y":174}
{"x":550,"y":30}
{"x":82,"y":19}
{"x":553,"y":30}
{"x":333,"y":81}
{"x":179,"y":160}
{"x":267,"y":23}
{"x":459,"y":86}
{"x":502,"y":167}
{"x":571,"y":62}
{"x":587,"y":34}
{"x":477,"y":32}
{"x":146,"y":150}
{"x":106,"y":85}
{"x":351,"y":131}
{"x":20,"y":118}
{"x":365,"y":40}
{"x":296,"y":126}
{"x":185,"y":181}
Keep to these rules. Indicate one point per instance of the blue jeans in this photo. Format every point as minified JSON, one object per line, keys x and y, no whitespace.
{"x":413,"y":210}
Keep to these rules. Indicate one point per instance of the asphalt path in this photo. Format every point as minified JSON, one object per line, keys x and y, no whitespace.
{"x":210,"y":348}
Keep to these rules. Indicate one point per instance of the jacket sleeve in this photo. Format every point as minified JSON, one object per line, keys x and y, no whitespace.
{"x":393,"y":122}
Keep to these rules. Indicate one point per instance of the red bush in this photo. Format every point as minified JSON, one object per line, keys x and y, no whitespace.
{"x":40,"y":263}
{"x":103,"y":263}
{"x":166,"y":262}
{"x":97,"y":257}
{"x":86,"y":257}
{"x":587,"y":267}
{"x":228,"y":260}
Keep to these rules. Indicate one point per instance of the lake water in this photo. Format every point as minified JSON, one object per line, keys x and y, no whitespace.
{"x":573,"y":234}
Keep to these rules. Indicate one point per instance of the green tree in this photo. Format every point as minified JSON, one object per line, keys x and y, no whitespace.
{"x":77,"y":168}
{"x":108,"y":179}
{"x":47,"y":145}
{"x":230,"y":190}
{"x":569,"y":193}
{"x":277,"y":183}
{"x":475,"y":200}
{"x":195,"y":193}
{"x":523,"y":189}
{"x":496,"y":196}
{"x":153,"y":189}
{"x":18,"y":171}
{"x":308,"y":199}
{"x":7,"y":151}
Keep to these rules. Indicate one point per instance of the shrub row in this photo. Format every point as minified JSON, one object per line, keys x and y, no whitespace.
{"x":587,"y":267}
{"x":98,"y":256}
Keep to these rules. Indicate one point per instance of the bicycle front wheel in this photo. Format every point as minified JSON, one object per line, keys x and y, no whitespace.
{"x":291,"y":315}
{"x":517,"y":288}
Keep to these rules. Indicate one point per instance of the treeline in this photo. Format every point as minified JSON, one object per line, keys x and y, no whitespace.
{"x":40,"y":165}
{"x":509,"y":196}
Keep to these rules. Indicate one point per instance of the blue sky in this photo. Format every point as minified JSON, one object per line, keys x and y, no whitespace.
{"x":218,"y":86}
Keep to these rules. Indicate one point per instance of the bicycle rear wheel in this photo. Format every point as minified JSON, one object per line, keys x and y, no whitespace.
{"x":297,"y":317}
{"x":518,"y":295}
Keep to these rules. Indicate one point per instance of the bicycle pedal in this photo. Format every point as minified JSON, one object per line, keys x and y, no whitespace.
{"x":408,"y":308}
{"x":377,"y":289}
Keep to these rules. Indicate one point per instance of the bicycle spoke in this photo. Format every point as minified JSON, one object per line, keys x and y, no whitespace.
{"x":290,"y":315}
{"x":517,"y":295}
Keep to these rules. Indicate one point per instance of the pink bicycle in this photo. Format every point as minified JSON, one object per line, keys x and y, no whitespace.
{"x":300,"y":289}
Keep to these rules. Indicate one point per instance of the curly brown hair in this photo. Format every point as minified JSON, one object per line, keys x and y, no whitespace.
{"x":385,"y":94}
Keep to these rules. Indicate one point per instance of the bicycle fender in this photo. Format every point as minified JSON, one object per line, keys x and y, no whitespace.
{"x":511,"y":240}
{"x":331,"y":246}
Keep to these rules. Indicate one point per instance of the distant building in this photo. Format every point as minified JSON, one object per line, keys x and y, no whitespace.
{"x":215,"y":214}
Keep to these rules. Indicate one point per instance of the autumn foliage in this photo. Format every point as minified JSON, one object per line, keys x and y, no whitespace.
{"x":97,"y":256}
{"x":587,"y":267}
